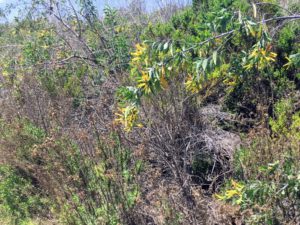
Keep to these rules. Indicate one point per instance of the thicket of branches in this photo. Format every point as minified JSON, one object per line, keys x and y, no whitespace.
{"x":189,"y":114}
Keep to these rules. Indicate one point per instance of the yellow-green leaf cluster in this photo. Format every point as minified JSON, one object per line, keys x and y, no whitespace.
{"x":127,"y":117}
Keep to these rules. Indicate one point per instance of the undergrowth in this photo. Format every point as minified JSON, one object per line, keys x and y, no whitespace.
{"x":186,"y":115}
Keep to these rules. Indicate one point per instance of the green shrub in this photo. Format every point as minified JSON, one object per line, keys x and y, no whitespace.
{"x":268,"y":172}
{"x":98,"y":190}
{"x":82,"y":189}
{"x":19,"y":199}
{"x":272,"y":199}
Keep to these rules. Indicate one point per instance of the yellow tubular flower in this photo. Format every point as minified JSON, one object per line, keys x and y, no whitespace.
{"x":127,"y":117}
{"x":140,"y":49}
{"x":289,"y":63}
{"x":260,"y":57}
{"x":144,"y":82}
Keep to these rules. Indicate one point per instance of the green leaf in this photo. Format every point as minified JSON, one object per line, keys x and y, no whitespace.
{"x":166,"y":45}
{"x":204,"y":64}
{"x":198,"y":64}
{"x":159,"y":47}
{"x":172,"y":50}
{"x":215,"y":55}
{"x":254,"y":10}
{"x":240,"y":17}
{"x":251,"y":30}
{"x":154,"y":45}
{"x":126,"y":175}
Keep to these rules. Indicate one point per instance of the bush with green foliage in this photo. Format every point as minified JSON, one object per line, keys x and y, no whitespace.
{"x":269,"y":172}
{"x":86,"y":102}
{"x":80,"y":188}
{"x":20,"y":200}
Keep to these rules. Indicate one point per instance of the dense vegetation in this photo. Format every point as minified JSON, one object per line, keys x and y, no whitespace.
{"x":185,"y":115}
